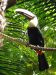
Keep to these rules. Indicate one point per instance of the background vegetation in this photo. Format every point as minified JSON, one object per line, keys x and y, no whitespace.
{"x":16,"y":59}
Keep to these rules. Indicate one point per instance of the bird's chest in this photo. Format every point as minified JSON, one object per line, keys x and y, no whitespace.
{"x":33,"y":36}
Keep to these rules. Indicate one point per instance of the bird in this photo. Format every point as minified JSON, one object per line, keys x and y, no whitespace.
{"x":35,"y":37}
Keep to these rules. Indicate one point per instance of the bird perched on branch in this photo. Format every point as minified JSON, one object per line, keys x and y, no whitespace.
{"x":35,"y":37}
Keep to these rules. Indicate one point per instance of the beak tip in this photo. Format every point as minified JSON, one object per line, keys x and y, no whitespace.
{"x":16,"y":10}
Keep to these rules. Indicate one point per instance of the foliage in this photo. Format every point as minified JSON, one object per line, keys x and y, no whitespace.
{"x":16,"y":59}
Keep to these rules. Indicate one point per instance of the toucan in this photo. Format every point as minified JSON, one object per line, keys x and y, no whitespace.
{"x":35,"y":37}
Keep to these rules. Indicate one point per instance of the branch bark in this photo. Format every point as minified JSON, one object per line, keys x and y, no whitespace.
{"x":42,"y":48}
{"x":19,"y":40}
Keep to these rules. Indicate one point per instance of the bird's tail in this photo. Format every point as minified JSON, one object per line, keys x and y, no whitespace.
{"x":43,"y":64}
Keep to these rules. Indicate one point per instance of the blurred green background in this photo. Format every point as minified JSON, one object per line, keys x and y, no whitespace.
{"x":17,"y":59}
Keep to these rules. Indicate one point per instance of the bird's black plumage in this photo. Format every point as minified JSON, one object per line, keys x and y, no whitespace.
{"x":35,"y":38}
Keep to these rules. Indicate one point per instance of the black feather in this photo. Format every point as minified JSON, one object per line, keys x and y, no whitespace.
{"x":35,"y":38}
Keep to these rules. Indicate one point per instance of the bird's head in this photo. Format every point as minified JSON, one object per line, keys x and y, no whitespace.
{"x":33,"y":19}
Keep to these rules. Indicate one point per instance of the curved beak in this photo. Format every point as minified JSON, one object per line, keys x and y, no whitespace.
{"x":26,"y":13}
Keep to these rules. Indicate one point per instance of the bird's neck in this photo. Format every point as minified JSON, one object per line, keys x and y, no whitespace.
{"x":33,"y":22}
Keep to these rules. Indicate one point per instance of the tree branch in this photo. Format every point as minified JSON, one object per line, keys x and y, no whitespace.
{"x":42,"y":48}
{"x":19,"y":40}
